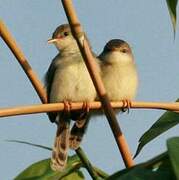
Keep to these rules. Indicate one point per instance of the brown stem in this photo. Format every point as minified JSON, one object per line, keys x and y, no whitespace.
{"x":56,"y":107}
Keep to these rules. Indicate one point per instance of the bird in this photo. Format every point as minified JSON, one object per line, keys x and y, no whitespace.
{"x":118,"y":71}
{"x":67,"y":80}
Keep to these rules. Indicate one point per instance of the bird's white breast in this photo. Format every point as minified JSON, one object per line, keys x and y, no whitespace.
{"x":72,"y":81}
{"x":120,"y":78}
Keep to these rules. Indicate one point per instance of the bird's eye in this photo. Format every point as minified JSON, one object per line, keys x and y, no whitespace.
{"x":66,"y":33}
{"x":124,"y":50}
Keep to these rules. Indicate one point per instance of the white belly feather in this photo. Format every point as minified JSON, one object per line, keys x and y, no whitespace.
{"x":72,"y":82}
{"x":120,"y":82}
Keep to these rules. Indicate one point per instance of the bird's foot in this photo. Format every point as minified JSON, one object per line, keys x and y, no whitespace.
{"x":86,"y":107}
{"x":126,"y":105}
{"x":67,"y":108}
{"x":85,"y":110}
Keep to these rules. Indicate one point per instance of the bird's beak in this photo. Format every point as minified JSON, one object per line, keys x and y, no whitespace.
{"x":51,"y":41}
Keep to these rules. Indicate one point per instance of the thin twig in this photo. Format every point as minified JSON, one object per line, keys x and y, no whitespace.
{"x":87,"y":164}
{"x":101,"y":173}
{"x":56,"y":107}
{"x":31,"y":144}
{"x":95,"y":76}
{"x":11,"y":43}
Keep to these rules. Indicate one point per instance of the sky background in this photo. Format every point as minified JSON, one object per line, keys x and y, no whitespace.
{"x":145,"y":25}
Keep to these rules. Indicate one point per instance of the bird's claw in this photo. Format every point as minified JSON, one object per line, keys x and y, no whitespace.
{"x":85,"y":109}
{"x":86,"y":106}
{"x":67,"y":107}
{"x":126,"y":105}
{"x":80,"y":122}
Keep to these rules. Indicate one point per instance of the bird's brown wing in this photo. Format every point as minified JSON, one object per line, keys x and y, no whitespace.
{"x":48,"y":84}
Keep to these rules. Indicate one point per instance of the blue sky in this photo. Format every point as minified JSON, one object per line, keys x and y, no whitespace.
{"x":145,"y":25}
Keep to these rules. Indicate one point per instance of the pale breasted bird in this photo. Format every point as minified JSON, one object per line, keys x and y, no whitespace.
{"x":67,"y":80}
{"x":119,"y":73}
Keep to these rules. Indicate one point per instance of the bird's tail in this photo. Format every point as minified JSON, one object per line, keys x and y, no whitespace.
{"x":77,"y":132}
{"x":61,"y":145}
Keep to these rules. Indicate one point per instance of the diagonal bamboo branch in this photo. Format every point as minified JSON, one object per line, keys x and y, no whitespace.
{"x":11,"y":43}
{"x":56,"y":107}
{"x":92,"y":68}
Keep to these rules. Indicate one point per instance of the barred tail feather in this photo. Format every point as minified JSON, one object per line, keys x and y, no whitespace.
{"x":77,"y":132}
{"x":61,"y":146}
{"x":80,"y":123}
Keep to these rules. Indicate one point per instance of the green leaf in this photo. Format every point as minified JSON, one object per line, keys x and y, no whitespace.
{"x":173,"y":151}
{"x":165,"y":122}
{"x":99,"y":172}
{"x":41,"y":171}
{"x":156,"y":168}
{"x":157,"y":161}
{"x":172,"y":5}
{"x":141,"y":173}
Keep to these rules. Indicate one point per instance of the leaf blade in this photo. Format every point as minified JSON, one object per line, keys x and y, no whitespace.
{"x":164,"y":123}
{"x":30,"y":144}
{"x":173,"y":151}
{"x":172,"y":5}
{"x":42,"y":170}
{"x":158,"y":168}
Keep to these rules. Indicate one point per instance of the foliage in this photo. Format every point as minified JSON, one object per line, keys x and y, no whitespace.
{"x":173,"y":149}
{"x":164,"y":123}
{"x":172,"y":5}
{"x":164,"y":166}
{"x":42,"y":170}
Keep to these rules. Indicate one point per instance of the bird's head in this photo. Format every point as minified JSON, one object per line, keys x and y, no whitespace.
{"x":116,"y":51}
{"x":63,"y":39}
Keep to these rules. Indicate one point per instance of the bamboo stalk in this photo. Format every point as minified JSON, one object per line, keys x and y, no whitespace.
{"x":95,"y":76}
{"x":56,"y":107}
{"x":11,"y":43}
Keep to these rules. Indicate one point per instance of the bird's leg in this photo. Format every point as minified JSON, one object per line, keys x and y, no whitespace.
{"x":126,"y":105}
{"x":85,"y":109}
{"x":81,"y":119}
{"x":67,"y":108}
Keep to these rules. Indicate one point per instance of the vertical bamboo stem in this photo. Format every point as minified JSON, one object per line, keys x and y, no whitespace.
{"x":92,"y":68}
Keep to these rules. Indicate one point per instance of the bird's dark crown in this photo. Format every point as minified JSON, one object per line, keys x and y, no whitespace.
{"x":60,"y":30}
{"x":116,"y":44}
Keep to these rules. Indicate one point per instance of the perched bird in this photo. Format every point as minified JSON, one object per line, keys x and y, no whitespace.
{"x":67,"y":80}
{"x":119,"y":72}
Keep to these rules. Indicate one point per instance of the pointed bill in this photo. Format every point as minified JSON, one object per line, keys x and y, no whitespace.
{"x":51,"y":41}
